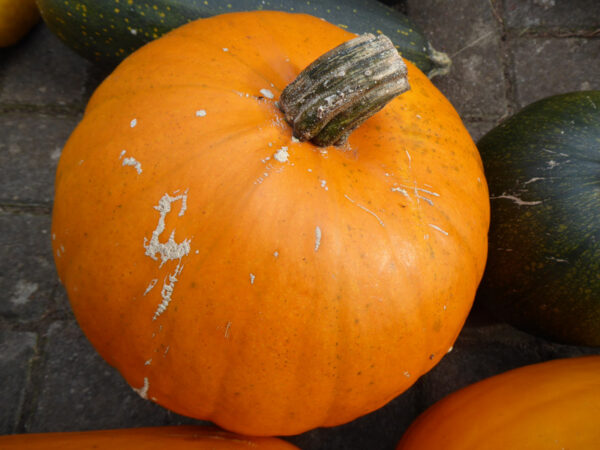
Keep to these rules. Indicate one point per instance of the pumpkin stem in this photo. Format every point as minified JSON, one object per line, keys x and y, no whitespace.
{"x":343,"y":88}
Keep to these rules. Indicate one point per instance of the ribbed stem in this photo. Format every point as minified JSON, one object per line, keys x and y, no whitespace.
{"x":343,"y":88}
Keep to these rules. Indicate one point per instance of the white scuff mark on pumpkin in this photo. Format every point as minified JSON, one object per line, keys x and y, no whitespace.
{"x":23,"y":291}
{"x":201,"y":113}
{"x":143,"y":391}
{"x":324,"y":185}
{"x":225,"y":49}
{"x":148,"y":362}
{"x":151,"y":285}
{"x":227,"y":328}
{"x":401,"y":190}
{"x":295,"y":140}
{"x":309,"y":170}
{"x":450,"y":349}
{"x":533,"y":180}
{"x":364,"y":208}
{"x":81,"y":161}
{"x":133,"y":123}
{"x":558,"y":260}
{"x":167,"y":291}
{"x":130,"y":161}
{"x":435,"y":227}
{"x":267,"y":93}
{"x":282,"y":154}
{"x":252,"y":278}
{"x":418,"y":116}
{"x":169,"y":250}
{"x":276,"y":254}
{"x":409,"y":158}
{"x":318,"y":235}
{"x":407,"y":374}
{"x":517,"y":200}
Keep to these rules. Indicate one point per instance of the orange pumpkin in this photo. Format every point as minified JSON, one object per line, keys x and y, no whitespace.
{"x":542,"y":406}
{"x":234,"y":274}
{"x":157,"y":438}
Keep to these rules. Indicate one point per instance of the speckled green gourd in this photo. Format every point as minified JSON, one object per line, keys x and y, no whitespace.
{"x":108,"y":31}
{"x":543,"y":171}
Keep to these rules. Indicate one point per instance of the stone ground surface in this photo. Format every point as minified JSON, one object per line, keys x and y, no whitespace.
{"x":506,"y":54}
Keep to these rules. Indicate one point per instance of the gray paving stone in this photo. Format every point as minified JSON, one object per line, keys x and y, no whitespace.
{"x":17,"y":349}
{"x":557,"y":14}
{"x":549,"y":66}
{"x":381,"y":429}
{"x":27,"y":274}
{"x":29,"y":153}
{"x":470,"y":33}
{"x":80,"y":391}
{"x":478,"y":129}
{"x":41,"y":70}
{"x":486,"y":349}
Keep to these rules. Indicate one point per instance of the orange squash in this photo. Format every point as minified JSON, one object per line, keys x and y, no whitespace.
{"x":549,"y":405}
{"x":156,"y":438}
{"x":235,"y":274}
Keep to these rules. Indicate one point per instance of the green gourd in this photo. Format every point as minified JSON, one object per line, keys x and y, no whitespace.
{"x":543,"y":269}
{"x":108,"y":31}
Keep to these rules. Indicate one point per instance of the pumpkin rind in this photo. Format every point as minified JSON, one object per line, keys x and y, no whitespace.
{"x":108,"y":31}
{"x":544,"y":259}
{"x":236,"y":275}
{"x":541,"y":406}
{"x":155,"y":438}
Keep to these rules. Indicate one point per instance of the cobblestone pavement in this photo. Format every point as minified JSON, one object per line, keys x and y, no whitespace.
{"x":506,"y":54}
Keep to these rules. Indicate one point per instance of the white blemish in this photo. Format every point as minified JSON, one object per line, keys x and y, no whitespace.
{"x":129,"y":161}
{"x":169,"y":250}
{"x":401,"y":190}
{"x":134,"y":163}
{"x":201,"y":113}
{"x":252,"y":278}
{"x":295,"y":140}
{"x":53,"y":236}
{"x":282,"y":154}
{"x":309,"y":170}
{"x":406,"y":373}
{"x":227,"y":328}
{"x":552,"y":164}
{"x":167,"y":291}
{"x":133,"y":123}
{"x":318,"y":235}
{"x":276,"y":254}
{"x":533,"y":180}
{"x":147,"y":363}
{"x":558,"y":260}
{"x":418,"y":116}
{"x":517,"y":200}
{"x":23,"y":290}
{"x":151,"y":285}
{"x":143,"y":391}
{"x":450,"y":349}
{"x":367,"y":210}
{"x":133,"y":31}
{"x":435,"y":227}
{"x":225,"y":49}
{"x":324,"y":185}
{"x":267,"y":93}
{"x":409,"y":158}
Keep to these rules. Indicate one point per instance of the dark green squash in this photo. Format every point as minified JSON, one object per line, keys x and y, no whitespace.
{"x":543,"y":172}
{"x":107,"y":31}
